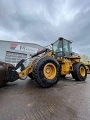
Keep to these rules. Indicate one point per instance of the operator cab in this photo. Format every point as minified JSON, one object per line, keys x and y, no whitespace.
{"x":62,"y":48}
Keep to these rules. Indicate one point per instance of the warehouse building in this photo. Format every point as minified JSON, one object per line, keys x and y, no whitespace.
{"x":13,"y":52}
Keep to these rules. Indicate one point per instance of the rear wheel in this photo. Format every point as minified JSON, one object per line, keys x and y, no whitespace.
{"x":46,"y":71}
{"x":79,"y":72}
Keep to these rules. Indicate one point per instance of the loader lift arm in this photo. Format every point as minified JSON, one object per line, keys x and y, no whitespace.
{"x":14,"y":75}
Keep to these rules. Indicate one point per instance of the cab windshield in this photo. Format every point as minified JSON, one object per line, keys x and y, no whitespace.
{"x":57,"y":46}
{"x":62,"y":47}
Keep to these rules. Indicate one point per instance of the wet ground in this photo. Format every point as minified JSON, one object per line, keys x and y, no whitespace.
{"x":25,"y":100}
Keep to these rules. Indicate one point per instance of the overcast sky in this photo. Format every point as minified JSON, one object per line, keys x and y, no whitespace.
{"x":43,"y":21}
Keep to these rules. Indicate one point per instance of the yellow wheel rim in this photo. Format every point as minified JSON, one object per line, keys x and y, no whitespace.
{"x":49,"y":71}
{"x":82,"y":71}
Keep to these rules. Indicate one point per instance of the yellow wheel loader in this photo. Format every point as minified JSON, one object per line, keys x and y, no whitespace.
{"x":49,"y":67}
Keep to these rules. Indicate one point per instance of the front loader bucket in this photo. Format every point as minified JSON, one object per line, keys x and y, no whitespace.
{"x":3,"y":73}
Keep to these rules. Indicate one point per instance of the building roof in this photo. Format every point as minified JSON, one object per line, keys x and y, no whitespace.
{"x":21,"y":42}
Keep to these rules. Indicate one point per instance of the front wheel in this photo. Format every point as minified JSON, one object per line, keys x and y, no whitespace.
{"x":79,"y":72}
{"x":46,"y":71}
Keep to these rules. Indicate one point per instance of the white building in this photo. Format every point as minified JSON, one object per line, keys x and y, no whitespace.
{"x":13,"y":52}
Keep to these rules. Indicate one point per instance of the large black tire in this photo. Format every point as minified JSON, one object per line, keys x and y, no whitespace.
{"x":39,"y":74}
{"x":79,"y":72}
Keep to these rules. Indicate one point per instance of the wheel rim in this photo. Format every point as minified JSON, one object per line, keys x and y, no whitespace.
{"x":82,"y":71}
{"x":49,"y":71}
